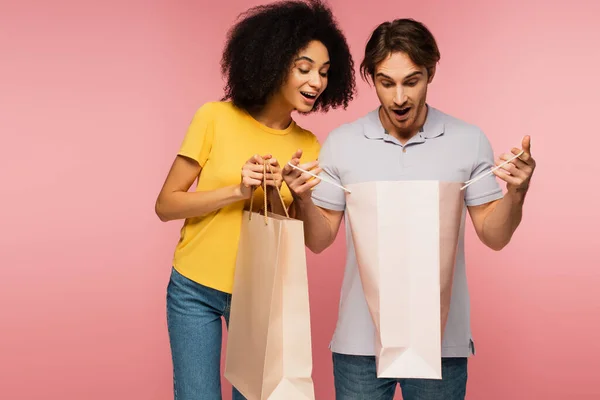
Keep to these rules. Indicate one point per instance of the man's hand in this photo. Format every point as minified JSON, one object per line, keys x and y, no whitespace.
{"x":517,"y":173}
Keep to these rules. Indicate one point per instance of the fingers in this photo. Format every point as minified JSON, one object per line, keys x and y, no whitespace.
{"x":273,"y":162}
{"x":309,"y":165}
{"x":302,"y":187}
{"x":526,"y":145}
{"x":248,"y":181}
{"x":274,"y":176}
{"x":516,"y":173}
{"x":295,"y":160}
{"x":274,"y":168}
{"x":252,"y":171}
{"x":273,"y":179}
{"x":506,"y":177}
{"x":516,"y":162}
{"x":526,"y":149}
{"x":250,"y":177}
{"x":303,"y":181}
{"x":255,"y":159}
{"x":516,"y":167}
{"x":292,"y":174}
{"x":510,"y":170}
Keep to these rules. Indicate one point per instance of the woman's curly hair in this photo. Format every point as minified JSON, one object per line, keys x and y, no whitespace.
{"x":261,"y":46}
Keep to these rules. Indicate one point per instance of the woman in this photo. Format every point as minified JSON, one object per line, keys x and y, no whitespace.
{"x":279,"y":58}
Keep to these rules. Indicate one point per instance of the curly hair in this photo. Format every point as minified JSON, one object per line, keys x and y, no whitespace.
{"x":260,"y":49}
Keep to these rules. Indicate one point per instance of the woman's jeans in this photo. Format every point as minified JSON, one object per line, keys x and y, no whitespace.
{"x":194,"y":315}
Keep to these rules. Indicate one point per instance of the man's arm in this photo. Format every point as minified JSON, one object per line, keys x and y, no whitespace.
{"x":497,"y":221}
{"x":320,"y":225}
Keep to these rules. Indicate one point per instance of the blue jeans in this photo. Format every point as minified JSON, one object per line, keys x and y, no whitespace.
{"x":194,"y":315}
{"x":356,"y":379}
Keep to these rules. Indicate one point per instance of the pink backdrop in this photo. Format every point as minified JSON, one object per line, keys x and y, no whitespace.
{"x":103,"y":93}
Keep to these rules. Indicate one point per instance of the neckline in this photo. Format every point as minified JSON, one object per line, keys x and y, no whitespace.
{"x":267,"y":129}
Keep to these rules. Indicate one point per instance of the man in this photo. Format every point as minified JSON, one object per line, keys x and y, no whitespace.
{"x":406,"y":139}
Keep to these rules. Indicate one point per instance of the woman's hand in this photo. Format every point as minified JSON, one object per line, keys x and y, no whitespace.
{"x":300,"y":183}
{"x":252,"y":175}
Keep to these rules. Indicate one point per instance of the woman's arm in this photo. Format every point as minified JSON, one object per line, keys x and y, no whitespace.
{"x":175,"y":202}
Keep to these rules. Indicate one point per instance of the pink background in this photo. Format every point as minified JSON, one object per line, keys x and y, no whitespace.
{"x":95,"y":98}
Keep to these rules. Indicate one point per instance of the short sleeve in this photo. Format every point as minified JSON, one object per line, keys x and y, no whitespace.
{"x":486,"y":189}
{"x":325,"y":195}
{"x":198,"y":140}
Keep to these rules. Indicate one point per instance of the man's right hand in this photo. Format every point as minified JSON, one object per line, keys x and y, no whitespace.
{"x":300,"y":183}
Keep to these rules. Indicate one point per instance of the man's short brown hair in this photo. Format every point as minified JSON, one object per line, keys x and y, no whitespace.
{"x":401,"y":35}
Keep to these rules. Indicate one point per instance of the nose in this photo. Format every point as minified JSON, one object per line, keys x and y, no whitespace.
{"x":316,"y":82}
{"x":400,"y":96}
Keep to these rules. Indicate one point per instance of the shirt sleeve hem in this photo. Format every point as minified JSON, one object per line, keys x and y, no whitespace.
{"x":328,"y":205}
{"x":485,"y":198}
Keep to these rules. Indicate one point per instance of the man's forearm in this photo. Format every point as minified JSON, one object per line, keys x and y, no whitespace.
{"x":318,"y":232}
{"x":502,"y":222}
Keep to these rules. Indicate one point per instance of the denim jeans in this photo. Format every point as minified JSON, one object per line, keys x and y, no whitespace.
{"x":194,"y":315}
{"x":356,"y":379}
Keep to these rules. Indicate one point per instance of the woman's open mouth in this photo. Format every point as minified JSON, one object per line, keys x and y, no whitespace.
{"x":309,"y":97}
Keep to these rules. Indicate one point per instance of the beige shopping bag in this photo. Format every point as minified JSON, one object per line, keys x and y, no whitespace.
{"x":405,"y":236}
{"x":269,"y":351}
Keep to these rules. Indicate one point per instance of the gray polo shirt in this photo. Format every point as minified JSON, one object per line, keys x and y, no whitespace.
{"x":446,"y":149}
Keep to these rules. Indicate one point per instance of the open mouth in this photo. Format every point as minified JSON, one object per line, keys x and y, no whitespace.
{"x":309,"y":96}
{"x":402,"y":112}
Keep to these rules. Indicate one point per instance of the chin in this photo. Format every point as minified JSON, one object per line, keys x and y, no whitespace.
{"x":304,"y":108}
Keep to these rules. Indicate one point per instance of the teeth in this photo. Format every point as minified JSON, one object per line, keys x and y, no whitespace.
{"x":312,"y":96}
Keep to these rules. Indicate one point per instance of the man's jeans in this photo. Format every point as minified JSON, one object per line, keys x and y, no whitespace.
{"x":194,"y":315}
{"x":356,"y":379}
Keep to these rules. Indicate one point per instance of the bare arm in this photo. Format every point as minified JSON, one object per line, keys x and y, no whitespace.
{"x":496,"y":222}
{"x":175,"y":202}
{"x":320,"y":225}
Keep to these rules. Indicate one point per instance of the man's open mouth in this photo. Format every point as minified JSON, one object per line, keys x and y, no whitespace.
{"x":402,"y":112}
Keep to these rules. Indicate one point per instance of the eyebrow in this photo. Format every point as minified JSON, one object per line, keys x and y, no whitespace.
{"x":382,"y":75}
{"x":310,"y":60}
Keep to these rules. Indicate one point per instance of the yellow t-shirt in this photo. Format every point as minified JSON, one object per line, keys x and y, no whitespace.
{"x":221,"y":138}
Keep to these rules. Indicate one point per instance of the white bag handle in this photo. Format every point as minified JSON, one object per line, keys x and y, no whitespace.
{"x":318,"y":177}
{"x":491,"y":171}
{"x":467,"y":183}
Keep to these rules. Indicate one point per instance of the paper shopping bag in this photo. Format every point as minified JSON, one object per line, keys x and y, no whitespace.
{"x":405,"y":236}
{"x":269,"y":350}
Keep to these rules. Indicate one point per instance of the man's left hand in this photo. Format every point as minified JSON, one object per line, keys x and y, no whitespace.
{"x":517,"y":173}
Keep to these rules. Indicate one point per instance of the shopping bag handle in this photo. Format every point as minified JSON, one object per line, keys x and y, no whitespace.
{"x":318,"y":177}
{"x":471,"y":181}
{"x":264,"y":184}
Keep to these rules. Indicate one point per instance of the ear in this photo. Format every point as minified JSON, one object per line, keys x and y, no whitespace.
{"x":430,"y":74}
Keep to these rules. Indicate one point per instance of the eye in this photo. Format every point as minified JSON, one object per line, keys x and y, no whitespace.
{"x":412,"y":83}
{"x":386,"y":84}
{"x":303,"y":71}
{"x":324,"y":74}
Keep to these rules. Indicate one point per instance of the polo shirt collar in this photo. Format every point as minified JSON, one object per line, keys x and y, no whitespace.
{"x":434,"y":126}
